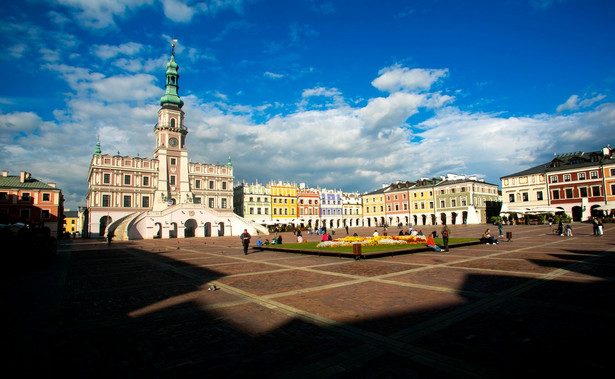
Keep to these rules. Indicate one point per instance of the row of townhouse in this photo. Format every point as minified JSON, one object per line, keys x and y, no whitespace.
{"x":582,"y":184}
{"x":453,"y":199}
{"x":285,"y":203}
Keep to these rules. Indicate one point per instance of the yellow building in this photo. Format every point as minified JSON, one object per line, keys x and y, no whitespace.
{"x":422,"y":202}
{"x":374,"y":208}
{"x":283,"y":202}
{"x":71,"y":222}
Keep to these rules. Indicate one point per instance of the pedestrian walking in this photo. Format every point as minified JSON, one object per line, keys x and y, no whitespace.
{"x":500,"y":229}
{"x":445,"y":233}
{"x":245,"y":240}
{"x":109,"y":237}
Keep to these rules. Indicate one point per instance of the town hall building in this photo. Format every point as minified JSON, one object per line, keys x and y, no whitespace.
{"x":166,"y":196}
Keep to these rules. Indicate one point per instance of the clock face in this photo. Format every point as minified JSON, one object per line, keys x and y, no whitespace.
{"x":173,"y":141}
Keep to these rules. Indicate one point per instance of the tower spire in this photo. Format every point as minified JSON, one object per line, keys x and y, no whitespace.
{"x":171,"y":96}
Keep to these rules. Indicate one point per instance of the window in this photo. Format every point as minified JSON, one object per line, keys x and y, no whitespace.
{"x":146,"y":181}
{"x":211,"y":184}
{"x":567,"y":177}
{"x":569,"y":194}
{"x":581,"y":175}
{"x":555,"y":194}
{"x":511,"y":198}
{"x":127,"y":201}
{"x":197,"y":200}
{"x":45,"y":214}
{"x":593,"y":174}
{"x":172,"y":180}
{"x":223,"y":204}
{"x":251,"y":210}
{"x":145,"y":201}
{"x":583,"y":191}
{"x":553,"y":179}
{"x":442,"y":204}
{"x":526,"y":196}
{"x":127,"y":180}
{"x":105,"y":200}
{"x":453,"y":203}
{"x":4,"y":196}
{"x":173,"y":161}
{"x":106,"y":178}
{"x":596,"y":191}
{"x":25,"y":196}
{"x":223,"y":185}
{"x":211,"y":202}
{"x":197,"y":184}
{"x":538,"y":195}
{"x":46,"y":197}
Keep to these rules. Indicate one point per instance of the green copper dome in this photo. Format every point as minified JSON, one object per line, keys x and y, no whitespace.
{"x":170,"y":95}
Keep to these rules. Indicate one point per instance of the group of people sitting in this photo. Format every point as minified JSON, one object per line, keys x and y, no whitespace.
{"x":275,"y":241}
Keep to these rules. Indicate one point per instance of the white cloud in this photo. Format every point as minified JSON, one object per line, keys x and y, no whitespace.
{"x":396,"y":78}
{"x":99,"y":14}
{"x":272,"y":75}
{"x":105,"y":52}
{"x":574,"y":102}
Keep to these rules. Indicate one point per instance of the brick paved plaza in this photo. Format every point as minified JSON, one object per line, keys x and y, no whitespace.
{"x":540,"y":304}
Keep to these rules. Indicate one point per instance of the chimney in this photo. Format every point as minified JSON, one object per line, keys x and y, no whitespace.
{"x":52,"y":185}
{"x":5,"y":173}
{"x":22,"y":176}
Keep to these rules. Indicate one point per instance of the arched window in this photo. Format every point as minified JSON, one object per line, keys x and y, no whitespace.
{"x":172,"y":122}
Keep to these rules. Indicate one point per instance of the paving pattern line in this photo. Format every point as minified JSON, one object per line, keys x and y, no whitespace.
{"x":374,"y":341}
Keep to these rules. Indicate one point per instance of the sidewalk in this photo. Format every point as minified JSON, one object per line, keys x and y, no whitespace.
{"x":540,"y":304}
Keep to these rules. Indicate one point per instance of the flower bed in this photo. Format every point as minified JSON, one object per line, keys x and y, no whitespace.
{"x":373,"y":241}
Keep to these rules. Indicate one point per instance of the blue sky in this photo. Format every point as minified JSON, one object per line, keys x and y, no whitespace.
{"x":336,"y":94}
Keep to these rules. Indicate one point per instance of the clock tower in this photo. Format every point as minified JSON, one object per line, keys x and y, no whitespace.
{"x":173,"y":185}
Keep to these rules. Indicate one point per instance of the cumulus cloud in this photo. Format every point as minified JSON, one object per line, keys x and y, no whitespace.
{"x":355,"y":147}
{"x":397,"y":78}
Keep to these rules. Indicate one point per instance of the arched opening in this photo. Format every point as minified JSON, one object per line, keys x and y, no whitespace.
{"x":454,"y":218}
{"x":189,"y":228}
{"x":207,"y":229}
{"x":464,"y":217}
{"x":220,"y":229}
{"x":173,"y":230}
{"x":443,"y":218}
{"x":158,"y":227}
{"x":577,"y":213}
{"x":103,"y":222}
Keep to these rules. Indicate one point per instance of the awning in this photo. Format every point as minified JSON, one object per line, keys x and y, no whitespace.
{"x":544,"y":209}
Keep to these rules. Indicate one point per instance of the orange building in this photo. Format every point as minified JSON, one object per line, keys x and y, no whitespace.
{"x":28,"y":200}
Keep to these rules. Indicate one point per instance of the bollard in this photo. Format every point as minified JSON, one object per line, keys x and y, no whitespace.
{"x":509,"y":236}
{"x":356,"y":250}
